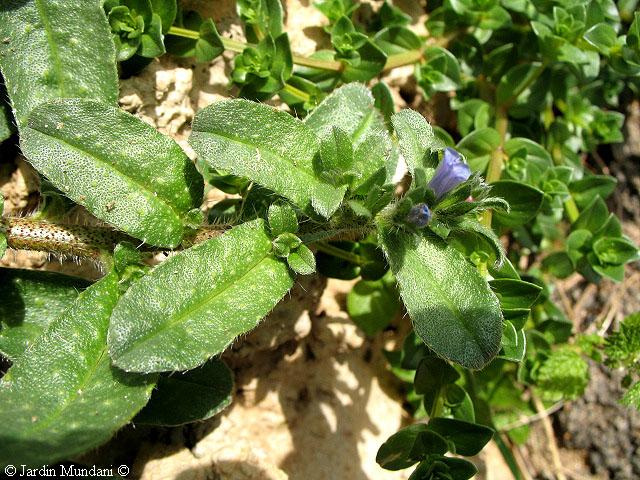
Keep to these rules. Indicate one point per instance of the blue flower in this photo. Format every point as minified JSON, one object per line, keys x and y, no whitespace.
{"x":451,"y":172}
{"x":419,"y":215}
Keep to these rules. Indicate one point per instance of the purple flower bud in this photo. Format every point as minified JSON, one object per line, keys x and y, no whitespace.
{"x":419,"y":215}
{"x":451,"y":172}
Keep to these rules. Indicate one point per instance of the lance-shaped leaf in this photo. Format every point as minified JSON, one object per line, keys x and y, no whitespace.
{"x":55,"y":50}
{"x":452,"y":307}
{"x":268,"y":146}
{"x":350,"y":108}
{"x":63,"y":396}
{"x":121,"y":169}
{"x":193,"y":305}
{"x":29,"y":301}
{"x":184,"y":397}
{"x":416,"y":138}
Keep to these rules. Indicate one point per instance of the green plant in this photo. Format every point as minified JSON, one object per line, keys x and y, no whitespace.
{"x":484,"y":326}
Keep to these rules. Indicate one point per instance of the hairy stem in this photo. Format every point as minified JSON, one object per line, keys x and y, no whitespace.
{"x":81,"y":241}
{"x":340,"y":253}
{"x":352,"y":233}
{"x":85,"y":241}
{"x":60,"y":239}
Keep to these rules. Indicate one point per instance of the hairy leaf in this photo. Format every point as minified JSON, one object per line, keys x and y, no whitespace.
{"x":261,"y":17}
{"x":384,"y":101}
{"x":416,"y":138}
{"x":121,"y":169}
{"x":197,"y":302}
{"x":374,"y":163}
{"x":394,"y":40}
{"x":452,"y":307}
{"x":432,"y":375}
{"x":53,"y":49}
{"x":514,"y":343}
{"x":616,"y":251}
{"x":230,"y":135}
{"x":282,"y":219}
{"x":593,"y":216}
{"x":350,"y":108}
{"x":63,"y":396}
{"x":29,"y":301}
{"x":302,"y":261}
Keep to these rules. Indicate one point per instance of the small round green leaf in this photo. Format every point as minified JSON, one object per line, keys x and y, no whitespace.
{"x":302,"y":261}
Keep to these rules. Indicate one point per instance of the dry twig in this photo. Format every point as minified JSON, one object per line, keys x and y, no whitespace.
{"x":548,"y":430}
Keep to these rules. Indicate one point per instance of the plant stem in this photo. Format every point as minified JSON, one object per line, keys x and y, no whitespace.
{"x":401,"y":59}
{"x":183,"y":32}
{"x":393,"y":61}
{"x":233,"y":45}
{"x":296,"y":92}
{"x":60,"y":239}
{"x":331,"y":65}
{"x":238,"y":47}
{"x":507,"y":454}
{"x":353,"y":234}
{"x":82,"y":241}
{"x":438,"y":404}
{"x":340,"y":253}
{"x":570,"y":207}
{"x":494,"y":170}
{"x":85,"y":241}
